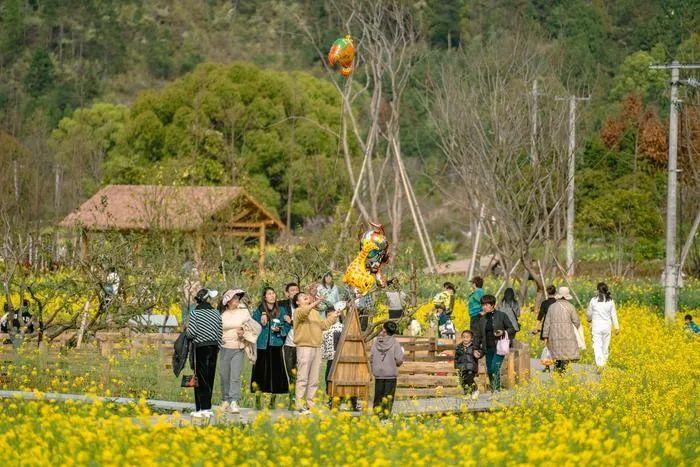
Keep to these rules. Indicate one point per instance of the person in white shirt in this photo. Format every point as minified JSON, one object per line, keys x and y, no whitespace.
{"x":234,"y":314}
{"x":396,"y":299}
{"x":602,"y":315}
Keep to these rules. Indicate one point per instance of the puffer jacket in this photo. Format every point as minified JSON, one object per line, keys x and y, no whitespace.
{"x":465,"y":359}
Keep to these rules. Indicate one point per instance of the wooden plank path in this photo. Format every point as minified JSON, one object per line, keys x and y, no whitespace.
{"x":179,"y":412}
{"x":401,"y":407}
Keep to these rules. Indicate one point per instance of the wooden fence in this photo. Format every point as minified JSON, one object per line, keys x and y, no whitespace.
{"x":428,"y":368}
{"x":106,"y":343}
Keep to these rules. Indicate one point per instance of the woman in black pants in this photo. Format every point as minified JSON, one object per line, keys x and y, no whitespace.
{"x":205,"y":330}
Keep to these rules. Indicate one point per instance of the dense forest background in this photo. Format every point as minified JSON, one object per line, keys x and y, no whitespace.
{"x":235,"y":92}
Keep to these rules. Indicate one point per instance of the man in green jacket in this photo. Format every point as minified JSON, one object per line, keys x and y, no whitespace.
{"x":474,"y":302}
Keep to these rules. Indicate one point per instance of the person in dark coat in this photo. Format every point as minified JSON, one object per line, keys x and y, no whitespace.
{"x":289,"y":349}
{"x":492,"y":325}
{"x":205,"y":331}
{"x":544,"y":307}
{"x":542,"y":314}
{"x":269,"y":372}
{"x":181,"y":351}
{"x":467,"y":362}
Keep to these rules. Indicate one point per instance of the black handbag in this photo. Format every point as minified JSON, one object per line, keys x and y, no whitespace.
{"x":191,"y":381}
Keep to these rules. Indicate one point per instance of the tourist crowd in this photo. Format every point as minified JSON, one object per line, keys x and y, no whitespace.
{"x":287,"y":339}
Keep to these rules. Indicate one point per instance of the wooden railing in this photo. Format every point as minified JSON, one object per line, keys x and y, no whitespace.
{"x":428,"y":369}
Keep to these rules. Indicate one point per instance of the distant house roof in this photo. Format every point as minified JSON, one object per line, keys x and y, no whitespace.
{"x":181,"y":208}
{"x":154,"y":320}
{"x":461,"y":266}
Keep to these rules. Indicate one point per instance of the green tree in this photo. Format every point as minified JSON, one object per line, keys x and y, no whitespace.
{"x":629,"y":218}
{"x":221,"y":124}
{"x":689,"y":50}
{"x":80,"y":145}
{"x":11,"y":30}
{"x":635,"y":77}
{"x":40,"y":75}
{"x":443,"y":21}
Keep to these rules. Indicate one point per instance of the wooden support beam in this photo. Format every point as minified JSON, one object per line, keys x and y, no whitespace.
{"x":246,"y":225}
{"x":240,"y":215}
{"x":262,"y":247}
{"x":241,"y":233}
{"x":198,"y":246}
{"x":84,"y":245}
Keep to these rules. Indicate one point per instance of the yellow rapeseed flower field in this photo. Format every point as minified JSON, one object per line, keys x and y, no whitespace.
{"x":644,"y":411}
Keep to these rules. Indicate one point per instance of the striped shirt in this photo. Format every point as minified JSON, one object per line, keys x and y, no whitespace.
{"x":204,"y":326}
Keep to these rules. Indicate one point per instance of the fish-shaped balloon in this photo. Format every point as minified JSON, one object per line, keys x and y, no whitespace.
{"x":342,"y":53}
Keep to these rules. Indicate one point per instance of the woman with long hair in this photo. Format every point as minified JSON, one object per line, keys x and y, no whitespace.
{"x":269,"y":373}
{"x":329,"y":292}
{"x":602,"y":315}
{"x":510,"y":306}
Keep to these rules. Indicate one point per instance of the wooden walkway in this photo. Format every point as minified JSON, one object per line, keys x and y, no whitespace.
{"x":177,"y":413}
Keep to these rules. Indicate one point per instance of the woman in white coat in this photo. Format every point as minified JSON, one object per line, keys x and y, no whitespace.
{"x":603,"y":317}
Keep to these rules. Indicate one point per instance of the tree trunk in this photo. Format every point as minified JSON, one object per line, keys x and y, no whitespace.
{"x":396,"y":212}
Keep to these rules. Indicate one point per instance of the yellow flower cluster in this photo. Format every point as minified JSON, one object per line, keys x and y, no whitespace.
{"x":643,"y":411}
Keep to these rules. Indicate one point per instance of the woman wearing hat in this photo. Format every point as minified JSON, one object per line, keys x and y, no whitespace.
{"x":559,"y":330}
{"x":204,"y":329}
{"x":234,"y":314}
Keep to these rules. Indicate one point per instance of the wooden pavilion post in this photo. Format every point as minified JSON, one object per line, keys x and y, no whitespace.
{"x":261,"y":238}
{"x":198,"y":245}
{"x":84,"y":245}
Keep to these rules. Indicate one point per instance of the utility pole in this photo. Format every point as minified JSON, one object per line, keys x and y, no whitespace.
{"x":570,"y":187}
{"x":15,"y":177}
{"x":533,"y":134}
{"x":57,"y":189}
{"x":475,"y":246}
{"x":671,"y":271}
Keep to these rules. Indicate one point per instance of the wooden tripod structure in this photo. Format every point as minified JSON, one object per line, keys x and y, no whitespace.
{"x":350,"y":374}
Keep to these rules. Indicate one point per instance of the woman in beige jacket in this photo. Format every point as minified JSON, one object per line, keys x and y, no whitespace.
{"x":559,"y":330}
{"x":308,"y":330}
{"x":232,"y":354}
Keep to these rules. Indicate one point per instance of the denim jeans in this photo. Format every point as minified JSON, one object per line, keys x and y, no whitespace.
{"x":493,"y":368}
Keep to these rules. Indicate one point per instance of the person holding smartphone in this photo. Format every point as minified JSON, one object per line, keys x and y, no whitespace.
{"x":269,"y":373}
{"x":308,"y":331}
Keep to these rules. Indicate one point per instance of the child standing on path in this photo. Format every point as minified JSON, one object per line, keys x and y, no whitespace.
{"x":467,"y":362}
{"x":385,"y":357}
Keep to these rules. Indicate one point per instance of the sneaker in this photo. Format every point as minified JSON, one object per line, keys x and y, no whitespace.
{"x":233,"y":407}
{"x":197,"y":414}
{"x":304,"y":411}
{"x":207,"y":413}
{"x":475,"y":395}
